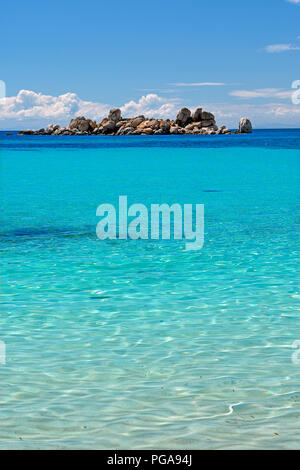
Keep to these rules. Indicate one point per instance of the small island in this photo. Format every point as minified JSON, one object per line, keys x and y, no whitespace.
{"x":197,"y":123}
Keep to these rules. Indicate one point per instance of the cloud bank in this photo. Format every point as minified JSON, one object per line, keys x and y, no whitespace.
{"x":151,"y":105}
{"x":29,"y":109}
{"x":29,"y":106}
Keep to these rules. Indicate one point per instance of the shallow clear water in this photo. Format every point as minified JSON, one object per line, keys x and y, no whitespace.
{"x":184,"y":349}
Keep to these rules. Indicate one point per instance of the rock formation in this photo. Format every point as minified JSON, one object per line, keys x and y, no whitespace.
{"x":197,"y":115}
{"x":245,"y":126}
{"x":183,"y":117}
{"x":80,"y":123}
{"x":199,"y":123}
{"x":114,"y":115}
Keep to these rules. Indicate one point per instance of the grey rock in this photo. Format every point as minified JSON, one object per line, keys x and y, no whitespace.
{"x":28,"y":132}
{"x":206,"y":116}
{"x":193,"y":125}
{"x":52,"y":128}
{"x":165,"y":126}
{"x":183,"y":117}
{"x":224,"y":130}
{"x":197,"y":115}
{"x":109,"y":127}
{"x":174,"y":130}
{"x":208,"y":123}
{"x":80,"y":123}
{"x":155,"y":124}
{"x":114,"y":115}
{"x":120,"y":124}
{"x":126,"y":130}
{"x":245,"y":126}
{"x":137,"y":121}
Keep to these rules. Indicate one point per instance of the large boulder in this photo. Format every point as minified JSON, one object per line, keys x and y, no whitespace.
{"x":114,"y":115}
{"x":137,"y":121}
{"x":245,"y":126}
{"x":93,"y":124}
{"x":144,"y":124}
{"x":193,"y":125}
{"x":206,"y":116}
{"x":109,"y":127}
{"x":165,"y":126}
{"x":183,"y":117}
{"x":155,"y":124}
{"x":147,"y":131}
{"x":80,"y":123}
{"x":52,"y":127}
{"x":197,"y":115}
{"x":174,"y":130}
{"x":28,"y":132}
{"x":121,"y":124}
{"x":126,"y":130}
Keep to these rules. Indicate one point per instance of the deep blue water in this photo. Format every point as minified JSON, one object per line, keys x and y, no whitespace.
{"x":181,"y":349}
{"x":270,"y":138}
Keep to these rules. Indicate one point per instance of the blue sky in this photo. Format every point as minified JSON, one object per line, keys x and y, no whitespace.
{"x":233,"y":58}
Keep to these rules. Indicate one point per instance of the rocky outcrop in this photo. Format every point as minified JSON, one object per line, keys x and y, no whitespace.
{"x":137,"y":121}
{"x":108,"y":127}
{"x":183,"y":117}
{"x":52,"y":128}
{"x":245,"y":126}
{"x":199,"y":123}
{"x":197,"y":115}
{"x":115,"y":115}
{"x":80,"y":123}
{"x":165,"y":126}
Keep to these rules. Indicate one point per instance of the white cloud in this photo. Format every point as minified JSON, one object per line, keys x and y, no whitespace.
{"x":262,"y":93}
{"x":293,"y":1}
{"x":29,"y":109}
{"x":276,"y":48}
{"x":151,"y":105}
{"x":28,"y":105}
{"x":199,"y":84}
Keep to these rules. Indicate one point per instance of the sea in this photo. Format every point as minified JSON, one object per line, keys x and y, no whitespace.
{"x":143,"y":344}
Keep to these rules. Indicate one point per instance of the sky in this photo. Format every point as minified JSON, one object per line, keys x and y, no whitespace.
{"x":67,"y":58}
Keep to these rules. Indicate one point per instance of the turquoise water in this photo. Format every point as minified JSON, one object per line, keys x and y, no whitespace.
{"x":183,"y":349}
